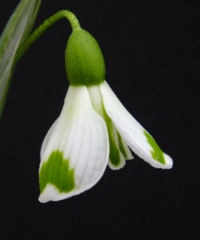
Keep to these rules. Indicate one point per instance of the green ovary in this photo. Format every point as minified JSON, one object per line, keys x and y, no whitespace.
{"x":156,"y":153}
{"x":84,"y":59}
{"x":56,"y":171}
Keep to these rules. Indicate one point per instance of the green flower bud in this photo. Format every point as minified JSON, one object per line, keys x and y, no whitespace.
{"x":84,"y":59}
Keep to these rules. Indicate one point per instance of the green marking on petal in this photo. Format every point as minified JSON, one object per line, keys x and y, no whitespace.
{"x":114,"y":150}
{"x":156,"y":153}
{"x":56,"y":171}
{"x":121,"y":146}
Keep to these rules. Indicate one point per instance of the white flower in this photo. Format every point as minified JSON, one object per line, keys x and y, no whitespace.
{"x":93,"y":130}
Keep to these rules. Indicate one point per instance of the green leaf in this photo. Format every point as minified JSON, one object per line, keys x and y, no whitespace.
{"x":16,"y":31}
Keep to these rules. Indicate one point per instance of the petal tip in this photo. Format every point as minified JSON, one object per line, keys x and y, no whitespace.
{"x":169,"y":161}
{"x":49,"y":194}
{"x":118,"y":167}
{"x":168,"y":164}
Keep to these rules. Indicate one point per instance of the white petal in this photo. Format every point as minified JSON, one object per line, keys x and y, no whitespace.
{"x":47,"y":138}
{"x":81,"y":134}
{"x":130,"y":129}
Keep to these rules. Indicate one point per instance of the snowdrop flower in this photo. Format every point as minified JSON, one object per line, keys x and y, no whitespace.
{"x":93,"y":130}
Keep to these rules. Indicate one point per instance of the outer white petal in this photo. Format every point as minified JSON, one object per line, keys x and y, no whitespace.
{"x":47,"y":138}
{"x":129,"y":128}
{"x":81,"y":134}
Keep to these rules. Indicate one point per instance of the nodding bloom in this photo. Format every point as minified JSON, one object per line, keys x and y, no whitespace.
{"x":93,"y":131}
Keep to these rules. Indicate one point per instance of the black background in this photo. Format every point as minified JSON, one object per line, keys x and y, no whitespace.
{"x":147,"y":47}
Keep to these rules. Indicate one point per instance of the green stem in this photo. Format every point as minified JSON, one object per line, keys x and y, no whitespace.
{"x":45,"y":26}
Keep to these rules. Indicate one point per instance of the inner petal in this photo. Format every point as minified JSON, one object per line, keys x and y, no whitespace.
{"x":119,"y":151}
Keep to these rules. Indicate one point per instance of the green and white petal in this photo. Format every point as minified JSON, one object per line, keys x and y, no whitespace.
{"x":119,"y":151}
{"x":124,"y":149}
{"x":75,"y":151}
{"x":137,"y":138}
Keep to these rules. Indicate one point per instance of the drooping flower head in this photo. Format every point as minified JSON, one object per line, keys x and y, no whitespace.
{"x":93,"y":130}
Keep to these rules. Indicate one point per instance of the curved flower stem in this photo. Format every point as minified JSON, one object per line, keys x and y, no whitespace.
{"x":45,"y":26}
